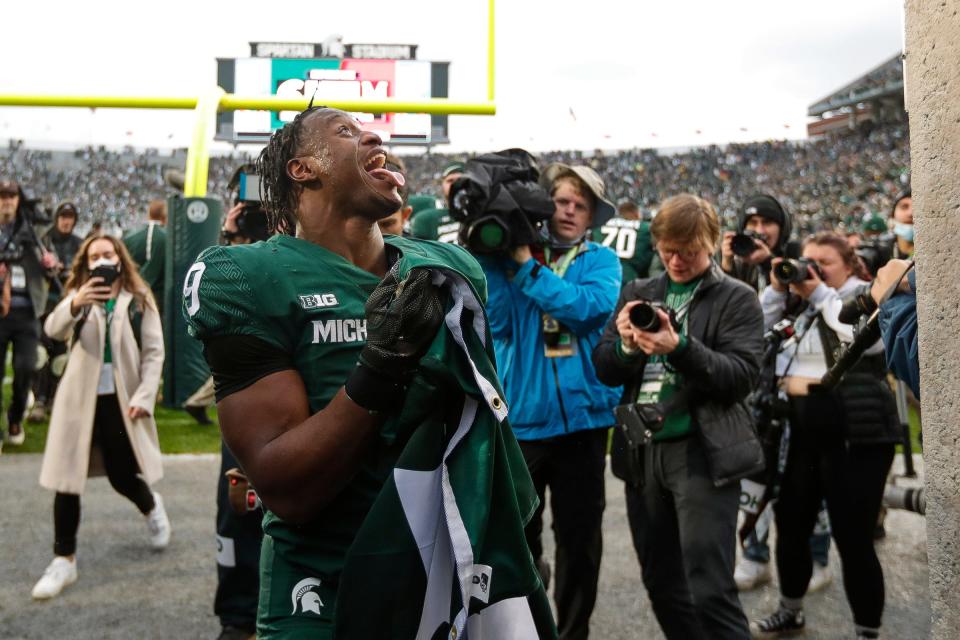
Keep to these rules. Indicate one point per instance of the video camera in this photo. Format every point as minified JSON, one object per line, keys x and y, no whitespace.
{"x":499,"y":202}
{"x":743,"y":244}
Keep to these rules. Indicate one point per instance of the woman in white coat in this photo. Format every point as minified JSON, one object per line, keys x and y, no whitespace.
{"x":103,"y":411}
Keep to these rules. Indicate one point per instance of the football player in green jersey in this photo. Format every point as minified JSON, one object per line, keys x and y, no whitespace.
{"x":629,"y":236}
{"x":307,"y":369}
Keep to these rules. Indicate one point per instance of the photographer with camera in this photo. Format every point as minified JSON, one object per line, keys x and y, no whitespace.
{"x":25,"y":266}
{"x":841,"y":441}
{"x":685,"y":436}
{"x":64,"y":243}
{"x":547,"y":307}
{"x":898,"y":320}
{"x":764,"y":228}
{"x":763,"y":233}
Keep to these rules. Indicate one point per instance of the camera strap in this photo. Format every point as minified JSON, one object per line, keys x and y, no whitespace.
{"x":561,"y":266}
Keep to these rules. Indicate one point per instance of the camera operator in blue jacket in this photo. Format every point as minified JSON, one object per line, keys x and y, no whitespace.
{"x":547,"y":309}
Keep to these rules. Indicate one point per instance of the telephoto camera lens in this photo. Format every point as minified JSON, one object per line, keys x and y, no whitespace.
{"x":644,"y":317}
{"x":792,"y":271}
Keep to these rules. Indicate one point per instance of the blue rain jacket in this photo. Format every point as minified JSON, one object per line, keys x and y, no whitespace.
{"x":550,"y":397}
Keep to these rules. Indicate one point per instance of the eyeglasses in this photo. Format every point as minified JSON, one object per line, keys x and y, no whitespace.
{"x":8,"y":194}
{"x":684,"y":254}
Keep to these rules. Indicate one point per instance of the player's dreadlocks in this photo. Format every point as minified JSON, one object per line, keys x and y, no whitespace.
{"x":278,"y":192}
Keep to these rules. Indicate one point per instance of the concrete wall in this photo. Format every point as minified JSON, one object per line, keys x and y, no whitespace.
{"x":933,"y":103}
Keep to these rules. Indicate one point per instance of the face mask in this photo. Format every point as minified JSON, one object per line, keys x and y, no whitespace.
{"x":904,"y":231}
{"x":106,"y":262}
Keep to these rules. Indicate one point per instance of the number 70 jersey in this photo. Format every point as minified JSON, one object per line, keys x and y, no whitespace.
{"x":630,"y":240}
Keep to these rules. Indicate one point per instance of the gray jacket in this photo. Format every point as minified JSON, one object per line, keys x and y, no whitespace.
{"x":720,"y":366}
{"x":37,"y":283}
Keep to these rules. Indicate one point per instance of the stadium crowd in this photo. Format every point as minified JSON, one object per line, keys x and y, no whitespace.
{"x":823,"y":182}
{"x":681,"y":360}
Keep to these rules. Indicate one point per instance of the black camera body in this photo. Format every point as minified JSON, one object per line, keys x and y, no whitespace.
{"x":876,"y":252}
{"x":856,"y":305}
{"x":794,"y":270}
{"x":644,"y":316}
{"x":499,"y":202}
{"x":745,"y":243}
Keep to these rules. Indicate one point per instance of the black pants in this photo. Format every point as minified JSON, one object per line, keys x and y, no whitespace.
{"x":110,"y":435}
{"x":21,"y":329}
{"x":573,"y":467}
{"x":45,"y":383}
{"x":820,"y":465}
{"x":684,"y":531}
{"x":238,"y":558}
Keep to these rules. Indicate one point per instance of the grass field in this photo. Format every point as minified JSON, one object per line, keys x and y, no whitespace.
{"x":179,"y":433}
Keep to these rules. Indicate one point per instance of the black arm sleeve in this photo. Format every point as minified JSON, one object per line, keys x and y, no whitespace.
{"x":238,"y":361}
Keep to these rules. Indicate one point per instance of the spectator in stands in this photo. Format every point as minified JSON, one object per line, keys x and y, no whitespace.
{"x":24,"y":275}
{"x":65,"y":244}
{"x":437,"y":224}
{"x":148,"y":247}
{"x":106,"y":399}
{"x":547,"y":310}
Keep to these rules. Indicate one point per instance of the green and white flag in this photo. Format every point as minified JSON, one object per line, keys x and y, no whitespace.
{"x":442,"y":552}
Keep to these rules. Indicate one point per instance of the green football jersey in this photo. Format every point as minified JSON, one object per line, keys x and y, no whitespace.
{"x":309,"y":303}
{"x":630,"y":240}
{"x":435,"y":224}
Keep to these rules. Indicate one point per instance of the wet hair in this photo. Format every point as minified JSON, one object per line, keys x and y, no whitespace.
{"x":278,"y":192}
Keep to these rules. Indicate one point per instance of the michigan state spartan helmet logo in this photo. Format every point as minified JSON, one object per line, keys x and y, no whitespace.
{"x":304,"y":593}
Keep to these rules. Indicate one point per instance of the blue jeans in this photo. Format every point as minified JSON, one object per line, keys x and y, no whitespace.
{"x":758,"y":550}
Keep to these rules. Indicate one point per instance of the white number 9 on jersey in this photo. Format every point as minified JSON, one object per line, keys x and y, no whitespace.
{"x":623,"y":240}
{"x":191,"y":288}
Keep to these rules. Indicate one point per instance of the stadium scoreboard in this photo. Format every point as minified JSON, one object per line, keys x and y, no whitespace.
{"x":334,"y":71}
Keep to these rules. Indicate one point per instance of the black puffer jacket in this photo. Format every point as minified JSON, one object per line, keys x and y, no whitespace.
{"x":719,"y":366}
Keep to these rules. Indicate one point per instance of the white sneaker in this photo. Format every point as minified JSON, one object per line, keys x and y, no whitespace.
{"x":750,"y":574}
{"x":16,"y":439}
{"x":158,"y":524}
{"x":822,"y":576}
{"x":60,"y":573}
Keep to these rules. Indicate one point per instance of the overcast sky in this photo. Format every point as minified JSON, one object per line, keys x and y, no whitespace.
{"x":600,"y":73}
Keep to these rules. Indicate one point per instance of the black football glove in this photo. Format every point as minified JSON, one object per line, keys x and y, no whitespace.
{"x":403,"y":317}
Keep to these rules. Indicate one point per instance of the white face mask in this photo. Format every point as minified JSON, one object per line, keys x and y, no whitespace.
{"x":106,"y":262}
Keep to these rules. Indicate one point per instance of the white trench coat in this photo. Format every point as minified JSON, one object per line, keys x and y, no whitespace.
{"x":136,"y":373}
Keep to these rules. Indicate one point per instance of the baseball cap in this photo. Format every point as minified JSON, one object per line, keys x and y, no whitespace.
{"x":605,"y":209}
{"x":66,"y":209}
{"x":9,"y":185}
{"x":453,"y":167}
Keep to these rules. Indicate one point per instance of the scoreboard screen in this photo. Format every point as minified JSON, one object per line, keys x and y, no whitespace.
{"x":334,"y":79}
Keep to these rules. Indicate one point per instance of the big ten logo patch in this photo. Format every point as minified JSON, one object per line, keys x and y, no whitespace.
{"x":318,"y":300}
